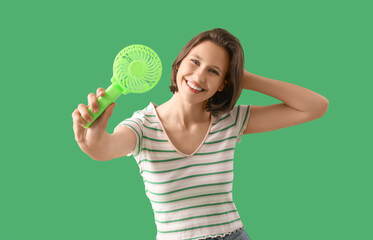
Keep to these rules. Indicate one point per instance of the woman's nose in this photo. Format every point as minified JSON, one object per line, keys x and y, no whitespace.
{"x":199,"y":75}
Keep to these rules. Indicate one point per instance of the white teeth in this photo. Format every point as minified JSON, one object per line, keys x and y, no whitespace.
{"x":194,"y":87}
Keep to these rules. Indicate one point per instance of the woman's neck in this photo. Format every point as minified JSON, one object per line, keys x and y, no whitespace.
{"x":182,"y":113}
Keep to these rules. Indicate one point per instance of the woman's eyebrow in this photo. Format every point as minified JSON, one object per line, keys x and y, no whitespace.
{"x":195,"y":55}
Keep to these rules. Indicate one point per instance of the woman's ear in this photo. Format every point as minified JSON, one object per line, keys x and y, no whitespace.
{"x":221,"y":88}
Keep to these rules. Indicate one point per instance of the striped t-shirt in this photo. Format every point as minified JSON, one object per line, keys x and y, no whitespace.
{"x":191,"y":195}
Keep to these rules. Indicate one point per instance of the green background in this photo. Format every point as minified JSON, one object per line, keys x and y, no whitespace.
{"x":309,"y":181}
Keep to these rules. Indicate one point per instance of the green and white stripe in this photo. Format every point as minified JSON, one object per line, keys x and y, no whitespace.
{"x":191,"y":195}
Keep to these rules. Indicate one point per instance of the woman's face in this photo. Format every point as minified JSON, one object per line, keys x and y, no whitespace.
{"x":204,"y":69}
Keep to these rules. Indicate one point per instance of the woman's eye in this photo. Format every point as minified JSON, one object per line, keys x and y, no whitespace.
{"x":196,"y":62}
{"x":215,"y":72}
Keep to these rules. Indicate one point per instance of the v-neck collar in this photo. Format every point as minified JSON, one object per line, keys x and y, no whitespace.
{"x":153,"y":106}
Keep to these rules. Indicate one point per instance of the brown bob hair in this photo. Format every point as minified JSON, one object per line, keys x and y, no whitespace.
{"x":223,"y":101}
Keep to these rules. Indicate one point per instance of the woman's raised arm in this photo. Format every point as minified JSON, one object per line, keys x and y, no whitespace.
{"x":299,"y":105}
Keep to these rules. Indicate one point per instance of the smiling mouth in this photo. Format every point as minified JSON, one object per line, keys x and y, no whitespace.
{"x":192,"y":87}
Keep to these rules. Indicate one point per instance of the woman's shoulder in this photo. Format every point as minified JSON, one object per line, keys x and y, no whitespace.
{"x":232,"y":112}
{"x":146,"y":111}
{"x":238,"y":111}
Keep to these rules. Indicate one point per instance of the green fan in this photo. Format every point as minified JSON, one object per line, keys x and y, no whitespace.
{"x":137,"y":69}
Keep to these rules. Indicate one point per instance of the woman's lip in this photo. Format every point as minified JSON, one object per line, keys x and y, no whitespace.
{"x":192,"y":89}
{"x":195,"y":84}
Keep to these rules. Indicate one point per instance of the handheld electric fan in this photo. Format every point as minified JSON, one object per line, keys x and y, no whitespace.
{"x":136,"y":69}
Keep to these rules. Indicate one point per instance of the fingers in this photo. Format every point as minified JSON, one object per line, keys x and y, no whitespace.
{"x":92,"y":102}
{"x":78,"y":126}
{"x":84,"y":112}
{"x":103,"y":120}
{"x":100,"y":92}
{"x":81,"y":115}
{"x":92,"y":99}
{"x":77,"y":119}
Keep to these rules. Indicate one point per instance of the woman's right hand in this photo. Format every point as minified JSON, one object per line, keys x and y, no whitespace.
{"x":90,"y":137}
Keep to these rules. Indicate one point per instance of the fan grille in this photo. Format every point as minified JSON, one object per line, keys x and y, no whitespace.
{"x":137,"y":68}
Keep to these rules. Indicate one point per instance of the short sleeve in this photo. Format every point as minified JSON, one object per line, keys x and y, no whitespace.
{"x":135,"y":123}
{"x":241,"y":114}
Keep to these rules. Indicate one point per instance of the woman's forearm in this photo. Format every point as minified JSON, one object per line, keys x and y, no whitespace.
{"x":294,"y":96}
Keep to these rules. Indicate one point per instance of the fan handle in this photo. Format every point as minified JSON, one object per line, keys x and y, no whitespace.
{"x":111,"y":94}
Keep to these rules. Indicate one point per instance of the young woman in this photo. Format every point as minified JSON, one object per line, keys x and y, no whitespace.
{"x":185,"y":147}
